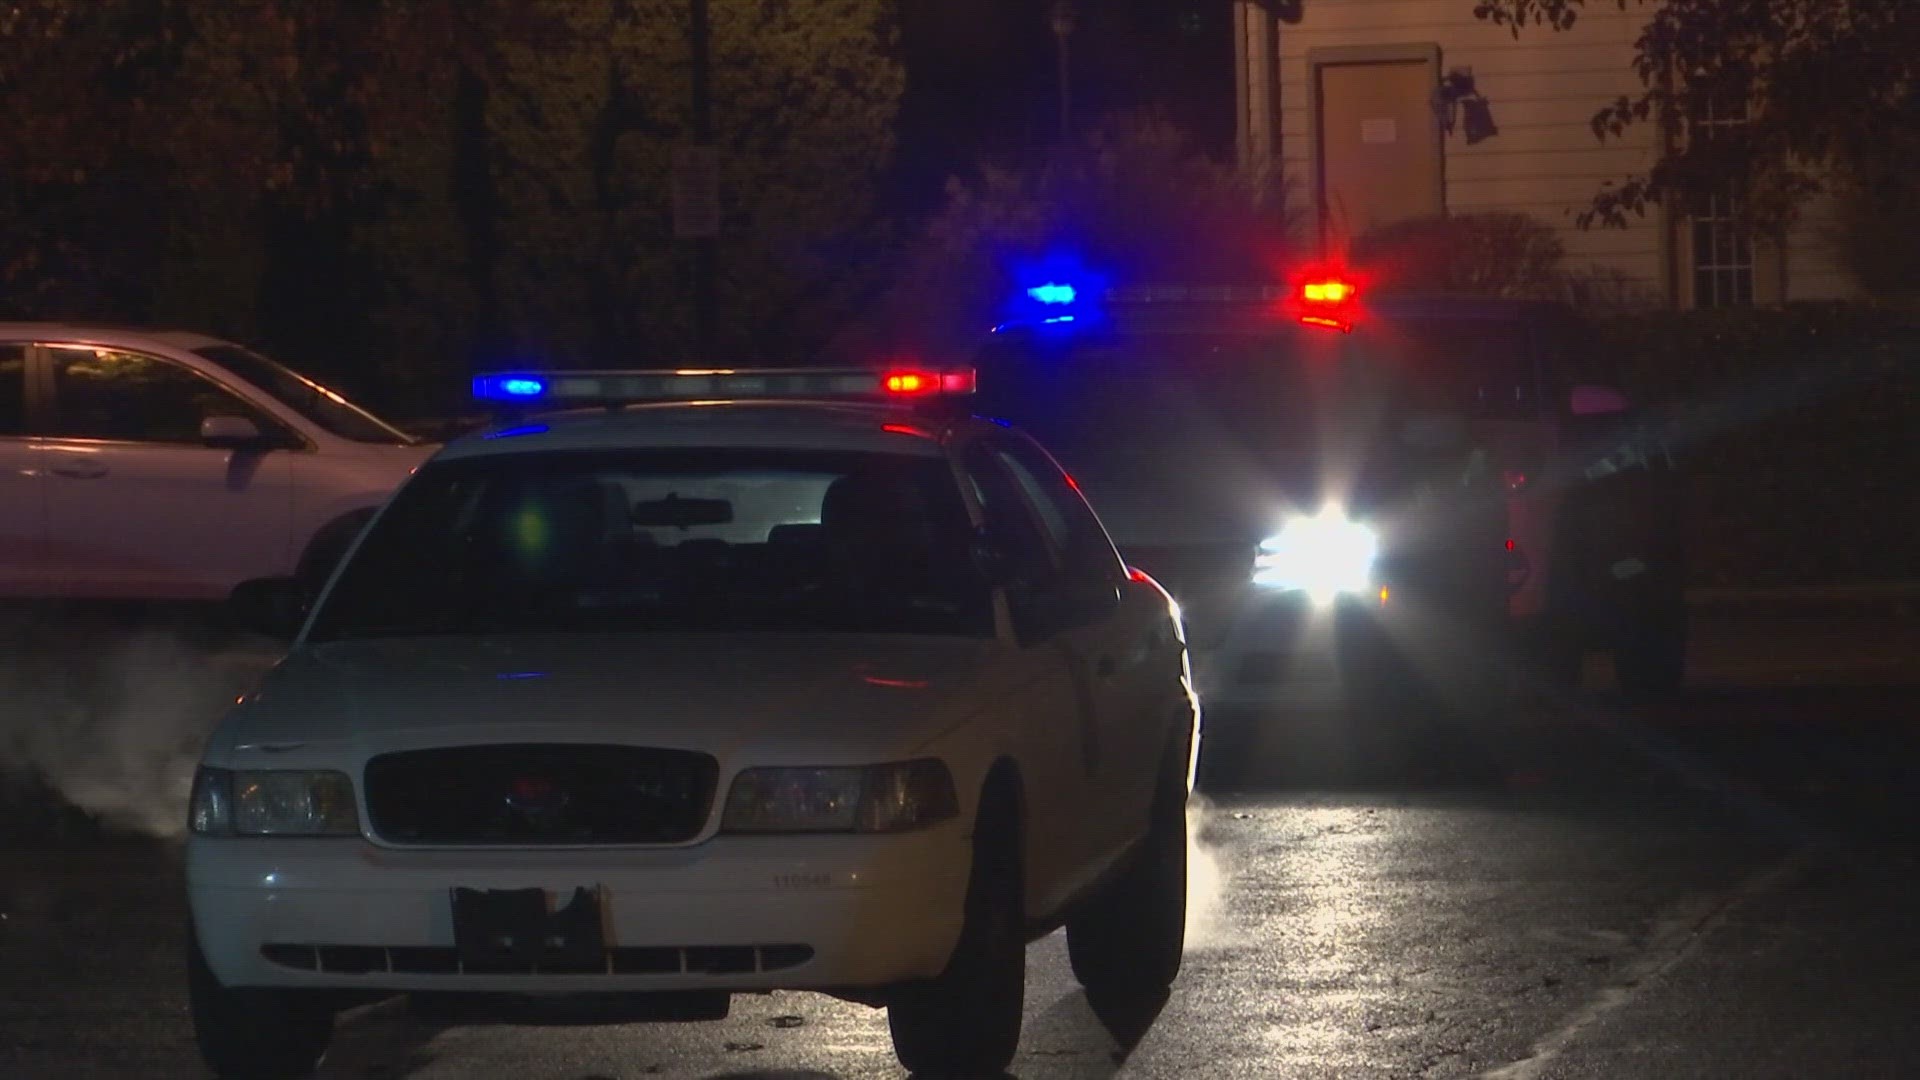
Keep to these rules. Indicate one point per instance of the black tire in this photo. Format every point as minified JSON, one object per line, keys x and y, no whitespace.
{"x":967,"y":1022}
{"x":1128,"y":943}
{"x":257,"y":1034}
{"x":1654,"y":659}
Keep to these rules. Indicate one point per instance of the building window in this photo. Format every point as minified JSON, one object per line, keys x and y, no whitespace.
{"x":1721,"y":252}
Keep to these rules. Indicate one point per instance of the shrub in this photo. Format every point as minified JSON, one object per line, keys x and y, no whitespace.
{"x":1797,"y":424}
{"x":1499,"y":255}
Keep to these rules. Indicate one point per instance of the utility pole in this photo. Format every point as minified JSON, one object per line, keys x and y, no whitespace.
{"x":699,"y":34}
{"x":1063,"y":29}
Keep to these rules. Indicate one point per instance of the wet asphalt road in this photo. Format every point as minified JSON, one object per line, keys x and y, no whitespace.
{"x":1720,"y":886}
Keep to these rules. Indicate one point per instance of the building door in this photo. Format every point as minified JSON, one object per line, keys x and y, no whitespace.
{"x":1379,"y":147}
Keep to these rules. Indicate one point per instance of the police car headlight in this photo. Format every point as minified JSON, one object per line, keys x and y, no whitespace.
{"x":277,"y":802}
{"x":881,"y":798}
{"x":1323,"y":556}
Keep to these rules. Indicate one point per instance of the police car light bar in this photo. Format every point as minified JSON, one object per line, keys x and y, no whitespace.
{"x":561,"y":389}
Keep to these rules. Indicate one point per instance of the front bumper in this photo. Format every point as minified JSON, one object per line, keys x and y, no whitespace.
{"x":733,"y":913}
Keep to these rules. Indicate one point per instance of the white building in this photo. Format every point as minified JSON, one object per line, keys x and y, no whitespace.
{"x":1345,"y":96}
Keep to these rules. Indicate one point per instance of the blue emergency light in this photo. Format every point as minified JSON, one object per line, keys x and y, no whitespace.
{"x":576,"y":389}
{"x":1053,"y":293}
{"x":509,"y":388}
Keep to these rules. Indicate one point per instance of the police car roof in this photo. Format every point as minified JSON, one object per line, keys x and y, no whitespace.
{"x":788,"y":425}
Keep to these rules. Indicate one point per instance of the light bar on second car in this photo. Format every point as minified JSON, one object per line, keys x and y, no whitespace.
{"x":562,"y":389}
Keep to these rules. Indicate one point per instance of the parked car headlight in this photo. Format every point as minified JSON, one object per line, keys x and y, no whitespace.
{"x":273,"y":802}
{"x":875,"y":799}
{"x":1323,"y":556}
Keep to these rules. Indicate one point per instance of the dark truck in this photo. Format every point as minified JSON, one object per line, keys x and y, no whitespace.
{"x":1417,"y":494}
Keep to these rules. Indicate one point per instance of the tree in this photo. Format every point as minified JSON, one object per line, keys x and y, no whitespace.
{"x":385,"y":188}
{"x":1829,"y":86}
{"x":559,"y":186}
{"x":78,"y":82}
{"x":1498,"y":255}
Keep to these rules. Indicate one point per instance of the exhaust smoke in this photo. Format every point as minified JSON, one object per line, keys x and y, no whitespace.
{"x":113,"y":720}
{"x":1206,"y":882}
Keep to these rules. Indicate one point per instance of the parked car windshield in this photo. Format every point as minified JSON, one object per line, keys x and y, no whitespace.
{"x":659,"y":540}
{"x":322,"y":406}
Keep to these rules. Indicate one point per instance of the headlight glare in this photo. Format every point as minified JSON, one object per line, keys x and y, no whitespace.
{"x":1323,"y":556}
{"x":286,"y":802}
{"x":881,"y":798}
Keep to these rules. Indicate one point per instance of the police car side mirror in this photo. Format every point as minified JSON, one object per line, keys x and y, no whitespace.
{"x":1598,"y":401}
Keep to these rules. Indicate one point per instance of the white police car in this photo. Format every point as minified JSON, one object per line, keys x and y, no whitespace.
{"x":743,"y":681}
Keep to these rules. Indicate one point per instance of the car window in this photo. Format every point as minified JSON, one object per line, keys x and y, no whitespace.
{"x":13,"y":389}
{"x":308,"y":398}
{"x":1010,"y":517}
{"x":736,"y":541}
{"x":1076,"y":535}
{"x":108,"y":394}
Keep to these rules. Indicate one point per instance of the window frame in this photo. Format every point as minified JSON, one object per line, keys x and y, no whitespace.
{"x":1087,"y":540}
{"x":287,"y":436}
{"x":29,"y":410}
{"x":1104,"y":573}
{"x":1710,"y":223}
{"x":979,"y":467}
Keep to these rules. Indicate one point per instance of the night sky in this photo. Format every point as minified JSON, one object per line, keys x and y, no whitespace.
{"x":981,"y":77}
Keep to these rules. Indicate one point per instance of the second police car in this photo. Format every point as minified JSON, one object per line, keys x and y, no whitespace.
{"x":1356,"y":496}
{"x":735,"y":681}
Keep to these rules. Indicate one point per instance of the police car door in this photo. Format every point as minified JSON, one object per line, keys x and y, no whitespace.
{"x":1101,"y":640}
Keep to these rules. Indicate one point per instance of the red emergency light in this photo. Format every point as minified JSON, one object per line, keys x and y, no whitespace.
{"x":916,"y":383}
{"x":1326,"y":299}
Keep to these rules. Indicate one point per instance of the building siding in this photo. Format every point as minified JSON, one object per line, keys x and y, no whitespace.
{"x":1814,"y":270}
{"x":1543,"y":87}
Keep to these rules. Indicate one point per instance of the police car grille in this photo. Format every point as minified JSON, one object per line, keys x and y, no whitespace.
{"x":540,"y":794}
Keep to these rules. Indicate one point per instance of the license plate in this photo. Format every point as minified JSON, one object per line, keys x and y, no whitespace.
{"x":515,"y":931}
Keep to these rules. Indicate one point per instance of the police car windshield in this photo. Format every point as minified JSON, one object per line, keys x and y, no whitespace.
{"x":664,"y":541}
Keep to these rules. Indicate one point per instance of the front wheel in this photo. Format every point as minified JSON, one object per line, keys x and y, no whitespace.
{"x":256,"y":1034}
{"x":967,"y":1022}
{"x":1129,"y":942}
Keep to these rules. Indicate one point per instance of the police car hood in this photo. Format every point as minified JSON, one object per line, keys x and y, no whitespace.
{"x":811,"y":699}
